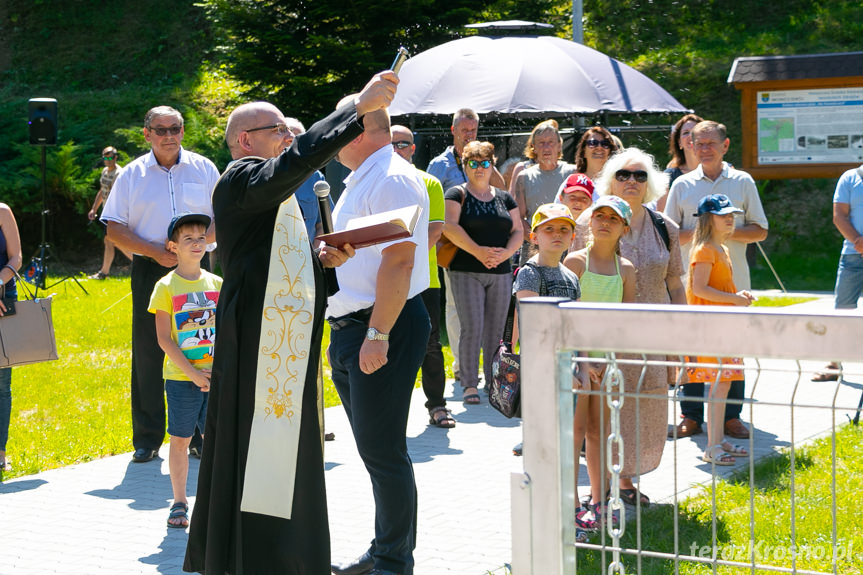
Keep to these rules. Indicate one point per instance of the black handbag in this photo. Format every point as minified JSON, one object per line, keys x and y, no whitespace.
{"x":505,"y":392}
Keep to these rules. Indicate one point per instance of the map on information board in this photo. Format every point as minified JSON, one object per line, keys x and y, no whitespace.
{"x":810,"y":126}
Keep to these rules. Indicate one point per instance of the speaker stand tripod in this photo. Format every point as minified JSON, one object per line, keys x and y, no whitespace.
{"x":45,"y":253}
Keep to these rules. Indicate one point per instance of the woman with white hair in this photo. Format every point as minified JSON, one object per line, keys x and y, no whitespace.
{"x":653,"y":246}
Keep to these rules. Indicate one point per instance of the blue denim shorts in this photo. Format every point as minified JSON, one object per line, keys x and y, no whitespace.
{"x":849,"y":281}
{"x":187,"y":407}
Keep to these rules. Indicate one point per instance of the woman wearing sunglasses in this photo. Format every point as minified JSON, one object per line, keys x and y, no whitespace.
{"x":682,"y":153}
{"x":484,"y":223}
{"x":632,"y":176}
{"x":593,"y":150}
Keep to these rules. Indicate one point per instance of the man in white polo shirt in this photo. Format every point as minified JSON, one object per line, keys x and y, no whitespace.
{"x":150,"y":191}
{"x":380,"y":329}
{"x":714,"y":176}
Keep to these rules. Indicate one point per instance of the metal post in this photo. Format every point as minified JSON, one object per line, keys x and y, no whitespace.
{"x":577,"y":26}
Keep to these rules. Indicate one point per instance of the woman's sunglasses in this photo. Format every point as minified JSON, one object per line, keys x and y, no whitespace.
{"x":624,"y":175}
{"x":474,"y":164}
{"x":592,"y":143}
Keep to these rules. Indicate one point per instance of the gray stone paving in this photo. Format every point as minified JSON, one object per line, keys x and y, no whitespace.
{"x":108,"y":516}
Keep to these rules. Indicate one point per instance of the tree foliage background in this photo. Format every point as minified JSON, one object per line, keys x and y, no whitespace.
{"x":304,"y":55}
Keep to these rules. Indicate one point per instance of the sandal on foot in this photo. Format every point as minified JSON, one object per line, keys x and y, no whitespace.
{"x":98,"y":276}
{"x":179,"y":511}
{"x":733,"y":449}
{"x":717,"y":456}
{"x":631,"y":496}
{"x":471,"y":398}
{"x":440,"y":417}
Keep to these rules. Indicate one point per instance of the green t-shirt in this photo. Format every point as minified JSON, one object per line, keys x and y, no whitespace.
{"x":436,"y":214}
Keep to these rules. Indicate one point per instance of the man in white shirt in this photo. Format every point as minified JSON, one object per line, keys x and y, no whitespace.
{"x":714,"y":176}
{"x":149,"y":192}
{"x":380,"y":329}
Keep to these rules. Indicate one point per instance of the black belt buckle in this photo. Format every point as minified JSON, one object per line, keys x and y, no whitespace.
{"x":357,"y":317}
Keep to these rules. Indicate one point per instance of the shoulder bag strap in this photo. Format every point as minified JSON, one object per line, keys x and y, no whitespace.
{"x":510,"y":316}
{"x":510,"y":320}
{"x":19,"y":283}
{"x":661,"y":227}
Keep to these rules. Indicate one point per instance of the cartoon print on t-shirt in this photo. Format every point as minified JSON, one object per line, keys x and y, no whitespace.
{"x":195,"y":321}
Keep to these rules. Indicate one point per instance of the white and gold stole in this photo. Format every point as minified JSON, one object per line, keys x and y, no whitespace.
{"x":283,"y":359}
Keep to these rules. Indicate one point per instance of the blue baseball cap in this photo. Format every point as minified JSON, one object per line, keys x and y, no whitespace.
{"x":718,"y":204}
{"x":186,"y":218}
{"x":617,"y":204}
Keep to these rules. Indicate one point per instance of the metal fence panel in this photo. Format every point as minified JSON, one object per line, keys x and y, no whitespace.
{"x":774,"y":341}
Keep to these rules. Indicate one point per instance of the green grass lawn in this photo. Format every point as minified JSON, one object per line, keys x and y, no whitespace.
{"x":77,"y":408}
{"x":780,"y":300}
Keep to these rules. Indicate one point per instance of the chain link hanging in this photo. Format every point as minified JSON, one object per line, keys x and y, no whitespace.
{"x":613,"y":384}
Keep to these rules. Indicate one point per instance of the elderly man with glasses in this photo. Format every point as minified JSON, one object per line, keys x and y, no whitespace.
{"x":715,"y":176}
{"x":146,"y":196}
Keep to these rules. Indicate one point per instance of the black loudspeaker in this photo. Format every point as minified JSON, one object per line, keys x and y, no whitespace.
{"x":42,"y":114}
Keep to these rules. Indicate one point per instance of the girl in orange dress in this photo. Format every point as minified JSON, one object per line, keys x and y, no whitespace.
{"x":710,"y":283}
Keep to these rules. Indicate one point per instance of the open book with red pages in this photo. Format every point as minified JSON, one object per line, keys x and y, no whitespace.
{"x":376,"y":228}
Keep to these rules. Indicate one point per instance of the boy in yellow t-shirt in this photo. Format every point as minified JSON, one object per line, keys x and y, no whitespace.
{"x":184,"y":302}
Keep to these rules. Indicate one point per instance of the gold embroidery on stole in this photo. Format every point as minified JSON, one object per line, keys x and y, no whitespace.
{"x":283,"y":356}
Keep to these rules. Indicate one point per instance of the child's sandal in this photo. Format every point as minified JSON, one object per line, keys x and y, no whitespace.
{"x":717,"y":456}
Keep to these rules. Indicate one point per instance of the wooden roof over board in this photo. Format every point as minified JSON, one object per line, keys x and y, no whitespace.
{"x":801,"y":67}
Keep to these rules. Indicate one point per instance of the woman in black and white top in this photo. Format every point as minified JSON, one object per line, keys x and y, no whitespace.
{"x":483,"y":221}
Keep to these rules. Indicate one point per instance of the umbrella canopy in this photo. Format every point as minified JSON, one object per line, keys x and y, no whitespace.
{"x":524,"y":75}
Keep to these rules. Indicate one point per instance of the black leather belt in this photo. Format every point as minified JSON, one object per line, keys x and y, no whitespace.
{"x":358,"y":317}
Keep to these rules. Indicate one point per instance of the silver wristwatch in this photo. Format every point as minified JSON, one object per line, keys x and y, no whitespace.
{"x":374,"y":335}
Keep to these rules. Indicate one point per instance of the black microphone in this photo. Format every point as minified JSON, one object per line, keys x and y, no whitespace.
{"x":322,"y":191}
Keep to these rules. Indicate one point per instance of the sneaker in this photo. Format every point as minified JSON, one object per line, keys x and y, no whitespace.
{"x":586,"y":519}
{"x":592,"y":517}
{"x":581,"y":536}
{"x":517,"y":450}
{"x":601,"y":512}
{"x":98,"y":276}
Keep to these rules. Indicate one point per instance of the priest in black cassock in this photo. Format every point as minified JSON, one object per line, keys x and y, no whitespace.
{"x":261,"y":501}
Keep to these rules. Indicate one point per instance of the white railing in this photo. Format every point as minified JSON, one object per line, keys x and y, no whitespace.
{"x":781,"y":348}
